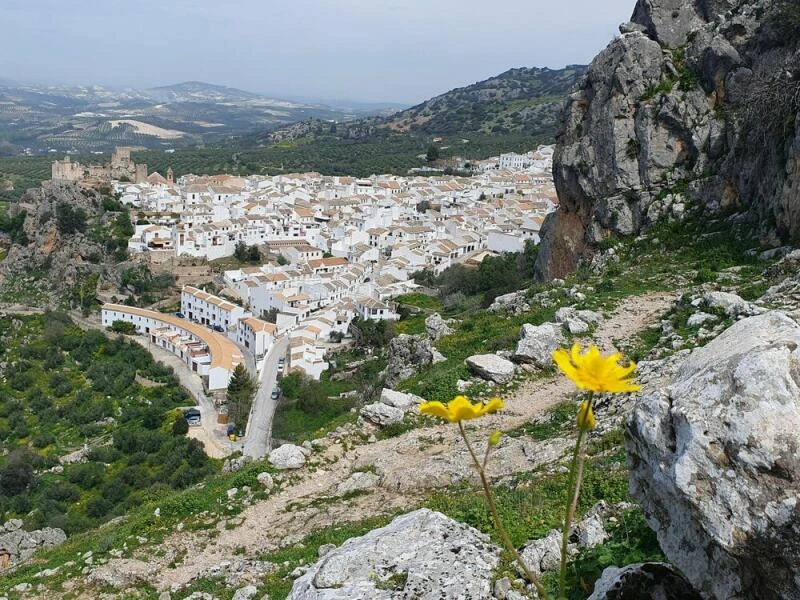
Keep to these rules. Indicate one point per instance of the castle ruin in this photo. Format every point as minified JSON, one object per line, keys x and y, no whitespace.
{"x":121,"y":168}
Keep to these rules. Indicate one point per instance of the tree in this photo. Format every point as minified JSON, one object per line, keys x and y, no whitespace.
{"x":70,"y":219}
{"x":423,"y":206}
{"x":282,"y":260}
{"x":17,"y":474}
{"x":180,"y":426}
{"x":241,"y":389}
{"x":254,"y":254}
{"x":124,"y":327}
{"x":433,"y":154}
{"x":240,"y":251}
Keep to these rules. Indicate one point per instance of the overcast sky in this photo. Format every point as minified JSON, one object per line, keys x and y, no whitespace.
{"x":371,"y":50}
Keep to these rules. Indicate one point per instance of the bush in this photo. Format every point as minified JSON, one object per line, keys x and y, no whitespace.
{"x":180,"y":426}
{"x":70,"y":219}
{"x":124,"y":327}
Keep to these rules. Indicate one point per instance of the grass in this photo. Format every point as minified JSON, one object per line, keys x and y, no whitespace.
{"x":558,"y":420}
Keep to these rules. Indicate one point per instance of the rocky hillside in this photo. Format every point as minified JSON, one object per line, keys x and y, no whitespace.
{"x":63,"y":242}
{"x":694,"y":107}
{"x":524,"y":100}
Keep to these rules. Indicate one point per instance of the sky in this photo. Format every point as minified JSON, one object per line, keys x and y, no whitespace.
{"x":400,"y":51}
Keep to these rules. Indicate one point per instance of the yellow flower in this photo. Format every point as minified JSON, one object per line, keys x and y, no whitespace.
{"x":586,"y":420}
{"x":592,"y":371}
{"x":460,"y":409}
{"x":494,"y":439}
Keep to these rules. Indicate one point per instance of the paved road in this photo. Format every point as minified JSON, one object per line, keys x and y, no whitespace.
{"x":259,"y":425}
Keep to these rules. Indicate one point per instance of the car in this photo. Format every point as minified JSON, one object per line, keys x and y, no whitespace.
{"x":180,"y":315}
{"x":275,"y":393}
{"x":218,"y":328}
{"x":281,"y":362}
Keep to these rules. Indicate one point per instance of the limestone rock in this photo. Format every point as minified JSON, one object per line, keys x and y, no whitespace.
{"x":436,"y":327}
{"x":715,"y":463}
{"x":537,"y":344}
{"x":121,"y":573}
{"x":358,"y":481}
{"x":731,"y":304}
{"x":422,"y":555}
{"x":403,"y":401}
{"x":544,"y":554}
{"x":698,"y":319}
{"x":407,"y":354}
{"x":491,"y":367}
{"x":287,"y":456}
{"x":22,"y":544}
{"x":248,"y":592}
{"x":515,"y":303}
{"x":266,"y":481}
{"x":382,"y":414}
{"x":643,"y":581}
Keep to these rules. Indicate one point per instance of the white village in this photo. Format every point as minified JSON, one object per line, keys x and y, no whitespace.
{"x":345,"y":247}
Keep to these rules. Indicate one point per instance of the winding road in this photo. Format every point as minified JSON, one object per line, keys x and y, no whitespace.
{"x":259,"y":426}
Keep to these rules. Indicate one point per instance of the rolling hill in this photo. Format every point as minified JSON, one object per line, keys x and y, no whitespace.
{"x":518,"y":101}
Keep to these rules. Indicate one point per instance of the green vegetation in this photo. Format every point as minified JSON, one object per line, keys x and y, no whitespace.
{"x":239,"y":397}
{"x":308,"y":407}
{"x":68,"y":391}
{"x":247,"y":254}
{"x":496,"y":275}
{"x":125,"y":327}
{"x":71,"y":219}
{"x":14,"y":227}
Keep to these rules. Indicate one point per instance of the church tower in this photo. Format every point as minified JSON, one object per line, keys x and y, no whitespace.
{"x":170,"y":176}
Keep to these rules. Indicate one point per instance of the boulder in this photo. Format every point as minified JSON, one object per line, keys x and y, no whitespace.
{"x":403,"y":401}
{"x":537,"y":344}
{"x":121,"y":573}
{"x":698,"y":319}
{"x":544,"y":554}
{"x":491,"y":367}
{"x":436,"y":327}
{"x":715,"y":463}
{"x":287,"y":456}
{"x":22,"y":544}
{"x":515,"y":303}
{"x":266,"y":481}
{"x":643,"y":581}
{"x":382,"y":414}
{"x":731,"y":304}
{"x":422,"y":555}
{"x":248,"y":592}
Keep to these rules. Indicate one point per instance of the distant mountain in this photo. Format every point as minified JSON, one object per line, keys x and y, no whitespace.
{"x":82,"y":119}
{"x":198,"y":91}
{"x":524,"y":100}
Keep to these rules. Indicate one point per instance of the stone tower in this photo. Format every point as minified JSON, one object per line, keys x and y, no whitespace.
{"x":170,"y":176}
{"x":141,"y":173}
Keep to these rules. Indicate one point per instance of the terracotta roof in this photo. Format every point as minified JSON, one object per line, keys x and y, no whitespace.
{"x":224,"y":353}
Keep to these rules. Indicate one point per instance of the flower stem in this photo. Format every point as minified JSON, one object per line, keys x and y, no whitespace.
{"x":487,"y":491}
{"x":574,"y":491}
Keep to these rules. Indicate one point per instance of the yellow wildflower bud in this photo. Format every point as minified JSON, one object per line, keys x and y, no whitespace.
{"x":586,"y":420}
{"x":494,"y":439}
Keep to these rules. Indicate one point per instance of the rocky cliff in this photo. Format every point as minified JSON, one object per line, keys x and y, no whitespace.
{"x":694,"y":106}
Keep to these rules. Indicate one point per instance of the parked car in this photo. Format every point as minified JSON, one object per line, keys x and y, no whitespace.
{"x":180,"y":315}
{"x":281,"y":363}
{"x":219,"y":328}
{"x":193,"y":417}
{"x":275,"y":393}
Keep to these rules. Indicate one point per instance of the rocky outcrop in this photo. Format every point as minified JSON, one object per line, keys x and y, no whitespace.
{"x":407,"y":355}
{"x":715,"y":462}
{"x":537,"y":344}
{"x":491,"y":367}
{"x":288,"y":456}
{"x":402,"y":400}
{"x":21,"y":544}
{"x":62,"y":257}
{"x":422,"y":555}
{"x":696,"y":104}
{"x":437,"y":327}
{"x":643,"y":581}
{"x":382,"y":414}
